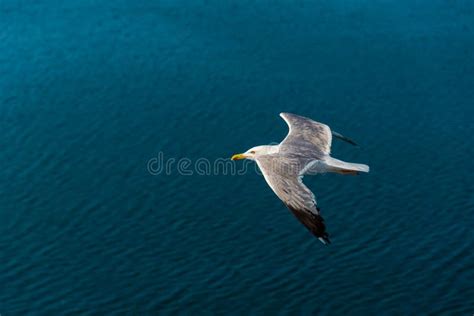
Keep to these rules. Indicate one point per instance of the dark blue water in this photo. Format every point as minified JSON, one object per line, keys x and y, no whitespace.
{"x":90,"y":91}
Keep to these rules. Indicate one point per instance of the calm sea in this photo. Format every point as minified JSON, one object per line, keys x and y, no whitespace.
{"x":90,"y":91}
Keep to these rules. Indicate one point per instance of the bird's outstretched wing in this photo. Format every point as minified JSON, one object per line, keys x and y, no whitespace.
{"x":306,"y":136}
{"x":283,"y":174}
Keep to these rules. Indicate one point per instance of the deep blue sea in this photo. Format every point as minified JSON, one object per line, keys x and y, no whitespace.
{"x":91,"y":91}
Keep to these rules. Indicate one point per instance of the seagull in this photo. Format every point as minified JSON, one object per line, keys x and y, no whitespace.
{"x":305,"y":150}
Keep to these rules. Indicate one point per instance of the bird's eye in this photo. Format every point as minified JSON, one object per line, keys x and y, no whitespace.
{"x":252,"y":152}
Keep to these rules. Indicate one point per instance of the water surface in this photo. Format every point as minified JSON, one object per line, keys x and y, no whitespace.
{"x":90,"y":91}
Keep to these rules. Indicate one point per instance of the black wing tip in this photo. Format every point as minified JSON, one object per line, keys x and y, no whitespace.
{"x":344,"y":138}
{"x":350,"y":141}
{"x":313,"y":222}
{"x":321,"y":233}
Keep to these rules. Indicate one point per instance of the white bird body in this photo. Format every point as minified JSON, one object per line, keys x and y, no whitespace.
{"x":305,"y":150}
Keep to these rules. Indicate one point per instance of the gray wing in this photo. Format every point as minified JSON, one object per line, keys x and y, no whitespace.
{"x":306,"y":137}
{"x":284,"y":176}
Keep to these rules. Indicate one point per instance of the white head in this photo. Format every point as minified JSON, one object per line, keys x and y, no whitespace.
{"x":256,"y":151}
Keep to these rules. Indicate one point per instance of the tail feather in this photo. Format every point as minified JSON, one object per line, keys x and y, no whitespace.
{"x":339,"y":166}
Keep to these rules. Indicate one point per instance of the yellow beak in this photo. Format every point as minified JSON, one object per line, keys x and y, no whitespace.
{"x":238,"y":157}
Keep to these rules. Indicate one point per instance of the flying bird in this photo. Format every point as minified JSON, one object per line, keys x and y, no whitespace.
{"x":305,"y":150}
